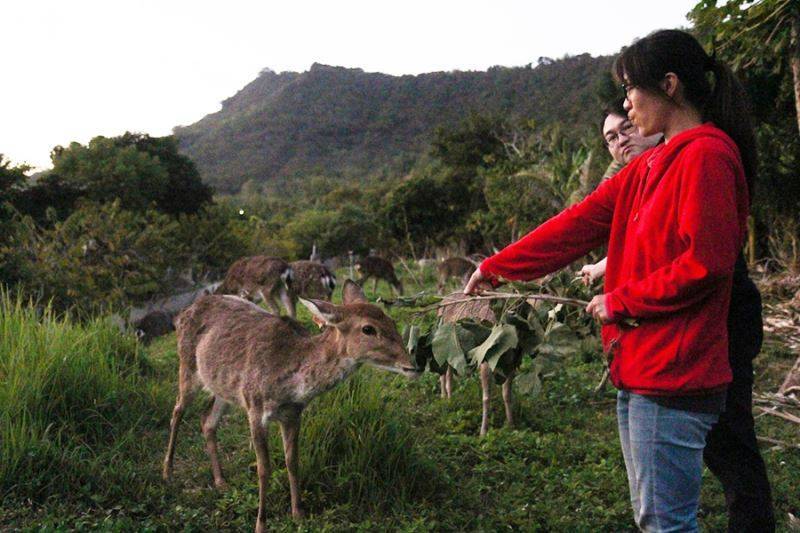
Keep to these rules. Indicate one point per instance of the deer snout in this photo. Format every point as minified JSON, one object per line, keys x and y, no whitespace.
{"x":395,"y":360}
{"x":406,"y":365}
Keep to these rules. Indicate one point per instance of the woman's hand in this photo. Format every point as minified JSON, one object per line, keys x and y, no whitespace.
{"x":477,"y":283}
{"x":597,"y":308}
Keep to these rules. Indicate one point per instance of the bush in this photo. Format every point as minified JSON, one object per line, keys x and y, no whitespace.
{"x":103,"y":256}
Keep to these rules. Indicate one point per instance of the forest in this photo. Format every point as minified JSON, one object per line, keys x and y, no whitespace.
{"x":346,"y":165}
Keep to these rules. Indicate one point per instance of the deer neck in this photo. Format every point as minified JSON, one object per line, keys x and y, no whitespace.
{"x":326,"y":364}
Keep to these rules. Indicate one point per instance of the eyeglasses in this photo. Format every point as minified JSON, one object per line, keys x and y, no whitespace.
{"x":627,"y":129}
{"x":627,"y":88}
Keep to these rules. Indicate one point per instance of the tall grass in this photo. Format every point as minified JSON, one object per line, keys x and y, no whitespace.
{"x":67,"y":390}
{"x":360,"y":449}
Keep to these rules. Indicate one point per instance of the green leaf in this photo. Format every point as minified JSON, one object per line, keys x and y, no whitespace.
{"x":444,"y":342}
{"x":411,"y":336}
{"x":528,"y":338}
{"x":449,"y":345}
{"x":480,"y":332}
{"x":502,"y":338}
{"x":418,"y":345}
{"x":530,"y":382}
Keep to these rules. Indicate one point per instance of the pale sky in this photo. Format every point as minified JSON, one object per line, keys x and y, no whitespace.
{"x":75,"y":69}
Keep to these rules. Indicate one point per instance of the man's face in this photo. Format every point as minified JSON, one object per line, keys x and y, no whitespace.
{"x":623,"y":139}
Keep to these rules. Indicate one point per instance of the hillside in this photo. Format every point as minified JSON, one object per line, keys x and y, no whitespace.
{"x":360,"y":125}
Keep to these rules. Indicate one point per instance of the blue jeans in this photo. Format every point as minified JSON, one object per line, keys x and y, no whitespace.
{"x":663,"y":451}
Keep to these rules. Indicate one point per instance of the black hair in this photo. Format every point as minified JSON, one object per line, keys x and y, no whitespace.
{"x":723,"y":101}
{"x":613,"y":107}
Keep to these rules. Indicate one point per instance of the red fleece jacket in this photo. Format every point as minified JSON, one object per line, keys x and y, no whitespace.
{"x":674,"y":220}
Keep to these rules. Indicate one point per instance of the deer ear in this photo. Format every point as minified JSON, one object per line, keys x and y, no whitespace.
{"x":352,"y":293}
{"x":323,"y":312}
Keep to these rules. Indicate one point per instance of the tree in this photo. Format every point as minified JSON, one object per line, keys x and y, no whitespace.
{"x":760,"y":41}
{"x":185,"y":192}
{"x":104,"y":172}
{"x":48,"y":200}
{"x":764,"y":34}
{"x":12,"y":257}
{"x":12,"y":180}
{"x":475,"y":143}
{"x":135,"y":168}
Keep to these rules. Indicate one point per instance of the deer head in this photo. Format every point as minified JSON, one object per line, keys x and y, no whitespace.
{"x":367,"y":334}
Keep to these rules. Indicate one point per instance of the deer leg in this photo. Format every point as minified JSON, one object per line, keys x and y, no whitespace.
{"x":508,"y":399}
{"x":486,"y":382}
{"x":271,"y":304}
{"x":209,"y":424}
{"x":397,"y":288}
{"x":446,"y":382}
{"x":290,"y":431}
{"x":258,"y":432}
{"x":374,"y":286}
{"x":288,"y":302}
{"x":184,"y":399}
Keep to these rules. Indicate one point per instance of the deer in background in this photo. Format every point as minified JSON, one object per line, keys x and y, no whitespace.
{"x":311,"y":279}
{"x":459,"y":267}
{"x":479,"y":310}
{"x":273,"y":367}
{"x":378,"y":268}
{"x":261,"y":278}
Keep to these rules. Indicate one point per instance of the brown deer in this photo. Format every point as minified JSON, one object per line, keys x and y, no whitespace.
{"x":311,"y":279}
{"x":273,"y":367}
{"x":261,"y":278}
{"x":480,"y":310}
{"x":459,"y":267}
{"x":378,"y":268}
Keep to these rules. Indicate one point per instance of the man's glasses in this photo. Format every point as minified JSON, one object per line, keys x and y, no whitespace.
{"x":627,"y":129}
{"x":627,"y":88}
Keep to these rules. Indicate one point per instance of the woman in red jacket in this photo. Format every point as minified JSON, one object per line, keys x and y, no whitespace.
{"x":674,"y":221}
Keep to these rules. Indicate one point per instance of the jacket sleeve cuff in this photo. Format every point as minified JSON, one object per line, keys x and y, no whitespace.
{"x":488,"y":276}
{"x":614,"y":308}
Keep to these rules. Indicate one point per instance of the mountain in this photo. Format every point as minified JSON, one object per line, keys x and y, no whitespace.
{"x":363,"y":125}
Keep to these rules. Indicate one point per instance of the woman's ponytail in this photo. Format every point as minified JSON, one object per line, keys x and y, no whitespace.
{"x":727,"y":107}
{"x":708,"y":84}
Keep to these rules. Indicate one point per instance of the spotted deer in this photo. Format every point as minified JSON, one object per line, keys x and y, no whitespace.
{"x":378,"y":268}
{"x":311,"y":279}
{"x":273,"y":367}
{"x":458,"y":267}
{"x":261,"y":278}
{"x":478,"y":310}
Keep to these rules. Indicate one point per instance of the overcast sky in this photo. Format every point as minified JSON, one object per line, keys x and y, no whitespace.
{"x":74,"y":69}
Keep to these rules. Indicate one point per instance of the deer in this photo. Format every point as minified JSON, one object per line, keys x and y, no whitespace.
{"x":273,"y":367}
{"x":378,"y":268}
{"x":311,"y":279}
{"x":459,"y":267}
{"x":480,"y":310}
{"x":263,"y":278}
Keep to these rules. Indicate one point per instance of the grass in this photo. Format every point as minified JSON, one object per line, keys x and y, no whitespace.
{"x":67,"y":391}
{"x":378,"y":453}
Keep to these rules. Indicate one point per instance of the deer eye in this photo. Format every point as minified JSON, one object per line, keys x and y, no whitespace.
{"x":368,"y":330}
